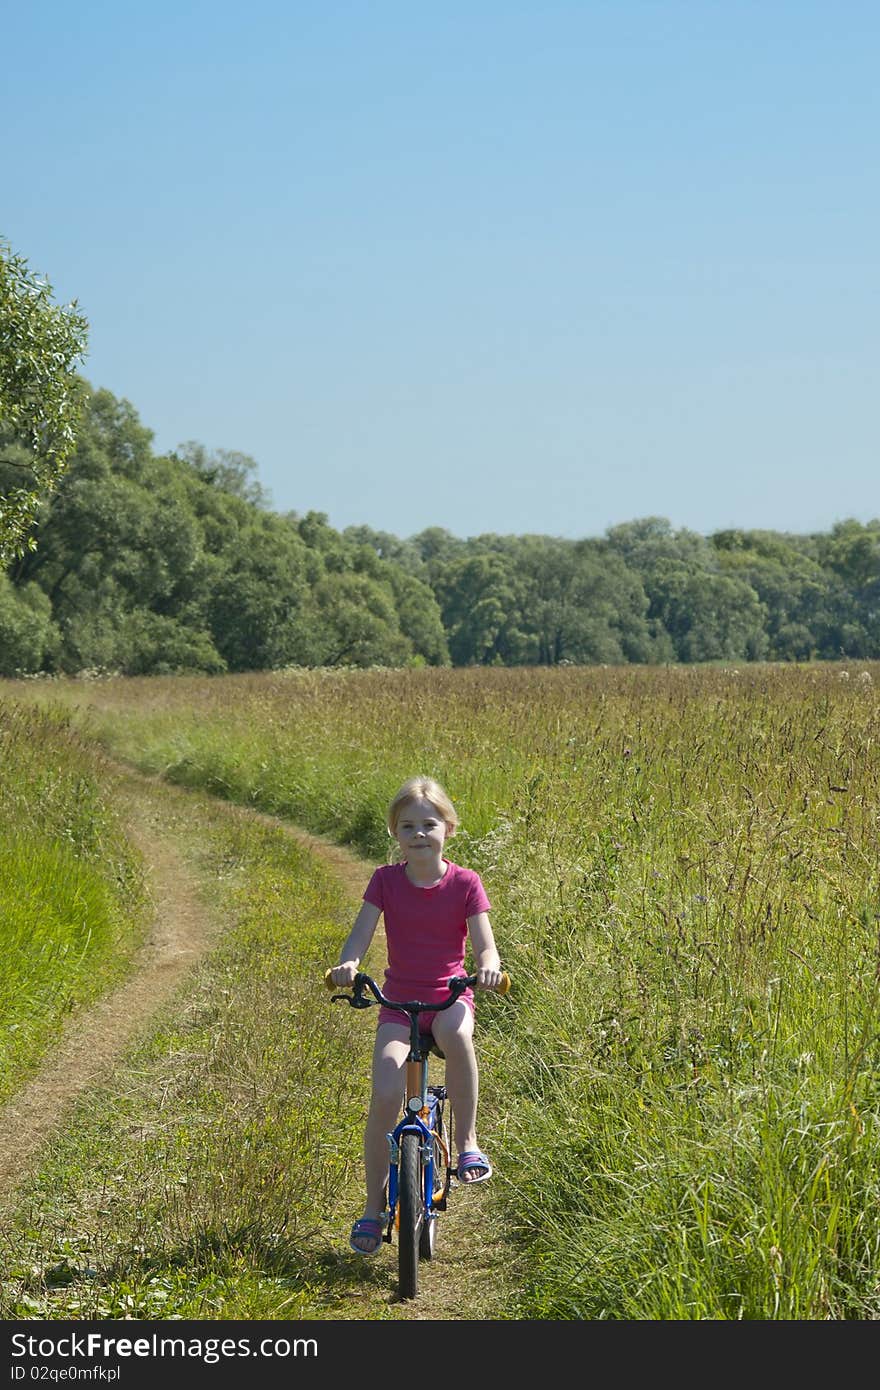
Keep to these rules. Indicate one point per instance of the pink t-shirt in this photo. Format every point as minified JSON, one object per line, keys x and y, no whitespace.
{"x":425,"y":928}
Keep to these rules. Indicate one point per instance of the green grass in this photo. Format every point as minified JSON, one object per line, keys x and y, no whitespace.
{"x":683,"y":870}
{"x":212,"y":1179}
{"x":70,"y":889}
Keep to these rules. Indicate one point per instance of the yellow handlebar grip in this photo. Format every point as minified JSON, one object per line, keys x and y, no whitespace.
{"x":505,"y":983}
{"x":327,"y":980}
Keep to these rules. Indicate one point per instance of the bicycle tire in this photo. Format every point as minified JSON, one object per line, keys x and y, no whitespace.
{"x":410,"y":1203}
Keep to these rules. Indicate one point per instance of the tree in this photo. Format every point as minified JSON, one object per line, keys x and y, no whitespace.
{"x":258,"y":600}
{"x":41,"y":395}
{"x":478,"y":601}
{"x":357,"y":623}
{"x":645,"y":542}
{"x":401,"y":616}
{"x":419,"y":616}
{"x":27,"y":632}
{"x":404,"y":554}
{"x":437,"y":547}
{"x":796,"y":593}
{"x":581,"y":604}
{"x":850,"y":556}
{"x":853,"y":551}
{"x":709,"y":616}
{"x":225,"y":469}
{"x":117,"y":537}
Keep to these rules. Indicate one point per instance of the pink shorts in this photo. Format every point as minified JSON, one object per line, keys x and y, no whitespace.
{"x":426,"y":1020}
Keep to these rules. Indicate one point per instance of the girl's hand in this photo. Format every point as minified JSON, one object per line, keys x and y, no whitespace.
{"x":489,"y":977}
{"x":343,"y":975}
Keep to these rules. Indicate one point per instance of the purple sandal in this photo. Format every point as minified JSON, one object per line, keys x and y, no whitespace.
{"x":470,"y":1160}
{"x":366,"y":1228}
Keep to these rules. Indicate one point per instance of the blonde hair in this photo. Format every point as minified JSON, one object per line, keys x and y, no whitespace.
{"x":427,"y":789}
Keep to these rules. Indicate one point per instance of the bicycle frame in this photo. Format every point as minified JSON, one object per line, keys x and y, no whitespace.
{"x":421,"y":1122}
{"x":423,"y":1117}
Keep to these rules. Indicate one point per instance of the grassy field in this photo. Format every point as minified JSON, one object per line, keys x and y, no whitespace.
{"x":188,"y":1187}
{"x":71,"y":904}
{"x":215,"y":1172}
{"x":683,"y":868}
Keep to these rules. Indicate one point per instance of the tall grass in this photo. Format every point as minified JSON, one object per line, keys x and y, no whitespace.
{"x":69,"y":885}
{"x":211,"y":1176}
{"x":683,"y":868}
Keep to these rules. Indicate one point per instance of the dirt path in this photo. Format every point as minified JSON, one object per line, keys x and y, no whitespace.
{"x":94,"y":1039}
{"x":183,"y":929}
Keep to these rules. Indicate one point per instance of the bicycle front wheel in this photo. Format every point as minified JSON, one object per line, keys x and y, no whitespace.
{"x":410,"y":1205}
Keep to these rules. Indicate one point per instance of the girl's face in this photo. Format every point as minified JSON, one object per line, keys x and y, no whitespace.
{"x":421,"y":830}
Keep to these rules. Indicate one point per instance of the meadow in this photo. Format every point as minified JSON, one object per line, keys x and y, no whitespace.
{"x":683,"y":1086}
{"x":71,"y":902}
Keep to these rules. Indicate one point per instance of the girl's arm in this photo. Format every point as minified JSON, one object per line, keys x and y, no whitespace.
{"x":356,"y":945}
{"x":486,"y":958}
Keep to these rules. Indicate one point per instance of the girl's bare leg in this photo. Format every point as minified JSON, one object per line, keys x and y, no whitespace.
{"x":454,"y":1031}
{"x":389,"y":1056}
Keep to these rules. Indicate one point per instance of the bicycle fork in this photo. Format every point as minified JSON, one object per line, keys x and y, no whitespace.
{"x":423,"y":1116}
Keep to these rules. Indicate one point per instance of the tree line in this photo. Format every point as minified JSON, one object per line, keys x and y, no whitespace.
{"x":150,"y":564}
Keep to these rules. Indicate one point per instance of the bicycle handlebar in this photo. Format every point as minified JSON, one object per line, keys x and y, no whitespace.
{"x":457,"y":984}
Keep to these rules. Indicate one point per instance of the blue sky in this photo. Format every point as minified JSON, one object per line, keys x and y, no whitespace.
{"x":489,"y":266}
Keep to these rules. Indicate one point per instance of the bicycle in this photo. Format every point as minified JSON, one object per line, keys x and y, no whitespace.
{"x":420,"y":1171}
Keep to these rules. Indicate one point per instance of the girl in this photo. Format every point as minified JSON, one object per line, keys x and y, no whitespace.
{"x":429,"y":905}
